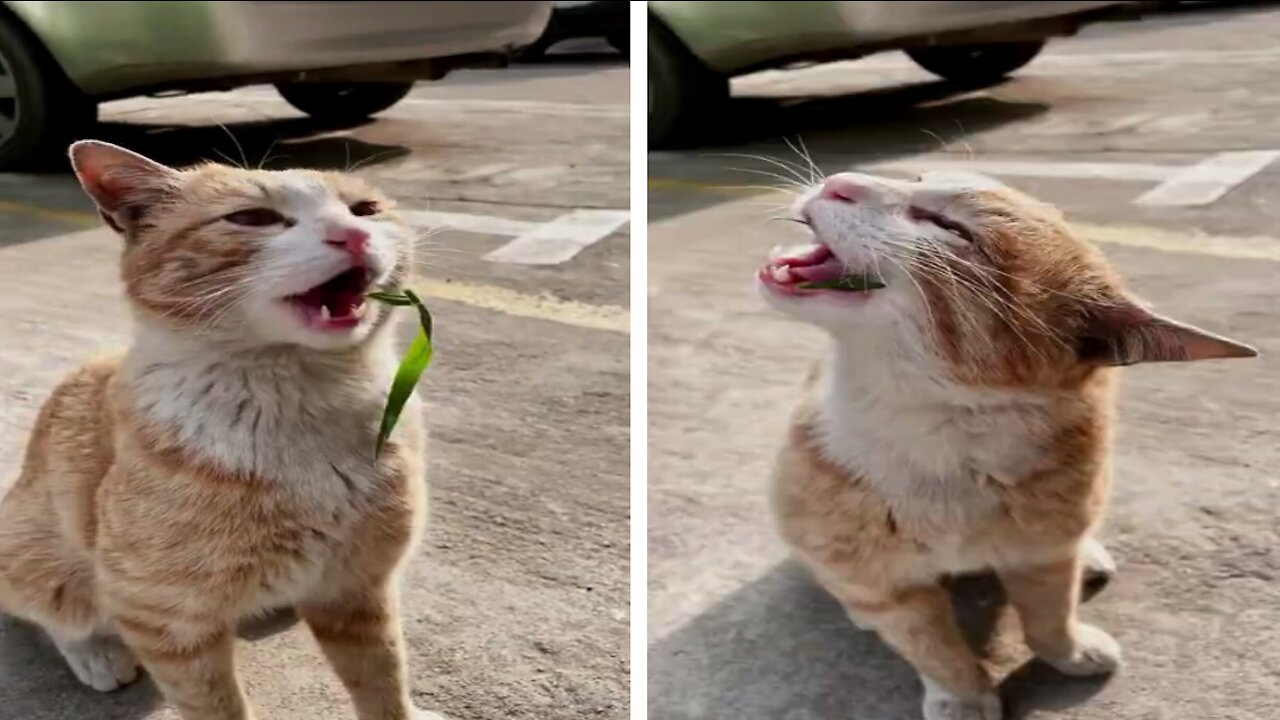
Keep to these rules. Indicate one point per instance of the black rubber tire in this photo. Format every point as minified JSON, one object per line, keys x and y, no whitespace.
{"x":43,"y":112}
{"x":343,"y":102}
{"x":682,"y":90}
{"x":976,"y":63}
{"x":621,"y":42}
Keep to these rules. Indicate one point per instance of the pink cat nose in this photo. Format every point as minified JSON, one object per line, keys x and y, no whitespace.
{"x":353,"y":240}
{"x":844,"y":188}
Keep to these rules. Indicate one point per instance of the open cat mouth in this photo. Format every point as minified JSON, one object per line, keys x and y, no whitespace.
{"x":337,"y":303}
{"x":817,"y":270}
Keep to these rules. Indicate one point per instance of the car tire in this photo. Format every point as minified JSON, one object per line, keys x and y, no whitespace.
{"x":343,"y":102}
{"x":621,"y":42}
{"x":683,"y":91}
{"x":976,"y":63}
{"x":41,"y":111}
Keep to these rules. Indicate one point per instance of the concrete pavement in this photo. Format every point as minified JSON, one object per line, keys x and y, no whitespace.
{"x":736,"y":630}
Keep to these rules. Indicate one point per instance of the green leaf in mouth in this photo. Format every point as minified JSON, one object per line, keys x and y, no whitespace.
{"x":852,"y":283}
{"x":414,"y":362}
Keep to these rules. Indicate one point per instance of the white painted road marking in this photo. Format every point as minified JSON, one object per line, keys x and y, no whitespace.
{"x":535,"y":243}
{"x":1037,"y":168}
{"x":483,"y":224}
{"x":559,"y":240}
{"x":1206,"y":181}
{"x":1179,"y":185}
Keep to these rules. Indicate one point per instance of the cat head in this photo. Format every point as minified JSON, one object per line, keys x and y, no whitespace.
{"x":254,"y":256}
{"x":971,"y":276}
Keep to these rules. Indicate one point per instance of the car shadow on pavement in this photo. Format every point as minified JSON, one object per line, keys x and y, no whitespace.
{"x":269,"y":144}
{"x":782,"y":649}
{"x":838,"y":131}
{"x":35,"y":683}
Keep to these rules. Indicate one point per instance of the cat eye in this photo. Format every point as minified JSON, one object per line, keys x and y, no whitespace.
{"x":365,"y":208}
{"x":256,"y":217}
{"x":945,"y":223}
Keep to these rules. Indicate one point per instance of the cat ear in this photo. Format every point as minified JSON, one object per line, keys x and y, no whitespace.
{"x":1127,"y":333}
{"x":122,"y":183}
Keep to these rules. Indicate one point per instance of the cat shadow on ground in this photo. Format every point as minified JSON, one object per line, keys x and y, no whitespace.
{"x":35,"y":683}
{"x":782,"y":649}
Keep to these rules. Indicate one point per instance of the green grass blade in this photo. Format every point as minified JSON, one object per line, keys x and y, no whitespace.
{"x":424,"y":315}
{"x":415,"y":361}
{"x":847,"y":282}
{"x":390,"y":298}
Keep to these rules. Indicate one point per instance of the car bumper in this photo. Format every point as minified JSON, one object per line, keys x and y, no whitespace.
{"x":110,"y":48}
{"x":739,"y":36}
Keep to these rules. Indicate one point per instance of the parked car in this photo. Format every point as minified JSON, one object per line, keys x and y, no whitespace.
{"x":572,"y":19}
{"x":696,"y":47}
{"x":331,"y":60}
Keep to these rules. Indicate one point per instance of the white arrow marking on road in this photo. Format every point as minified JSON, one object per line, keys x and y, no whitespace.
{"x":483,"y":224}
{"x":1179,"y":185}
{"x":559,"y":240}
{"x":535,"y":243}
{"x":1036,"y":168}
{"x":1208,"y":180}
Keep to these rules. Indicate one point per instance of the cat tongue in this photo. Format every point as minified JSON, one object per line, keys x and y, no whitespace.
{"x":830,"y":269}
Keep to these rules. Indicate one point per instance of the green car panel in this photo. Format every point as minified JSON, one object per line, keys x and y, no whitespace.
{"x":105,"y":47}
{"x":728,"y":36}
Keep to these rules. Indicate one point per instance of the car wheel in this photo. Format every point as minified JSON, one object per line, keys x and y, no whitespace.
{"x":682,"y":90}
{"x":41,"y":111}
{"x":343,"y":102}
{"x":620,"y":41}
{"x":975,"y":63}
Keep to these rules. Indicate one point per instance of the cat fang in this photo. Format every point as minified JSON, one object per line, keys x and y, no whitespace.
{"x":337,"y":304}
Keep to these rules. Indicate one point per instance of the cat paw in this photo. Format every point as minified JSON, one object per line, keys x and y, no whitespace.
{"x":101,"y":662}
{"x":1098,"y":567}
{"x":420,"y":714}
{"x":859,"y":622}
{"x":941,"y":704}
{"x":1095,"y":653}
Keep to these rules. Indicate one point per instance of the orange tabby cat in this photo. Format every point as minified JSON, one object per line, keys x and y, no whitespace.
{"x":224,"y":467}
{"x":962,"y":419}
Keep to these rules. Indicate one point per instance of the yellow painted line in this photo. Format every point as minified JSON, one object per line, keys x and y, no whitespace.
{"x":1257,"y":247}
{"x":674,"y":184}
{"x":1192,"y":242}
{"x":540,"y":307}
{"x":79,"y":217}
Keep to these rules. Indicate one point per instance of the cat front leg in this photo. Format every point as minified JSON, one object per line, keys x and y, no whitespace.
{"x":919,"y":624}
{"x":1046,"y":597}
{"x":193,"y":666}
{"x":360,"y":635}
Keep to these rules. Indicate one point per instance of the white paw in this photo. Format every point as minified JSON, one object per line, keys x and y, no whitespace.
{"x":101,"y":662}
{"x":420,"y":714}
{"x":1096,"y":653}
{"x":941,"y":704}
{"x":1098,"y":564}
{"x":858,"y":622}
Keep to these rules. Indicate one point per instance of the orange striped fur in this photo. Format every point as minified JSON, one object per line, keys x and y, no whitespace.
{"x":962,"y":419}
{"x":223,"y":467}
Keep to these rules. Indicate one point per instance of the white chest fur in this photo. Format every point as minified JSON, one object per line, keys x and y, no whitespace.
{"x":303,"y":421}
{"x":288,"y":417}
{"x":933,"y":450}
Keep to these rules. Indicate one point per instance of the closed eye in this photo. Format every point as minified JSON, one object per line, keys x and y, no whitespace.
{"x":951,"y":226}
{"x":256,"y":217}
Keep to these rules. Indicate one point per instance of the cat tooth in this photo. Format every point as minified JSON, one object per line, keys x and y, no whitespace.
{"x":324,"y":313}
{"x":782,"y":274}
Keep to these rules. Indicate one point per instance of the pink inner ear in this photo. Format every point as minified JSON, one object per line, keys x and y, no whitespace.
{"x":114,"y":177}
{"x":1197,"y":344}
